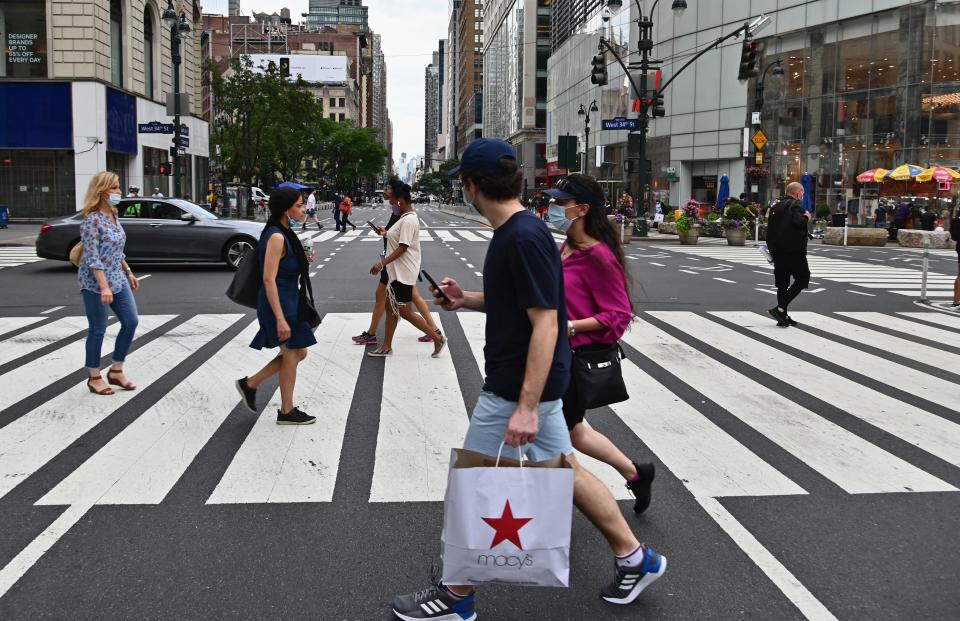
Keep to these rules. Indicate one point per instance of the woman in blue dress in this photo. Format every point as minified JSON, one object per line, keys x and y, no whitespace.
{"x":285,"y":271}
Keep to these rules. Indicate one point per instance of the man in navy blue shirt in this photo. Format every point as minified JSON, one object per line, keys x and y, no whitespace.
{"x":527,"y":367}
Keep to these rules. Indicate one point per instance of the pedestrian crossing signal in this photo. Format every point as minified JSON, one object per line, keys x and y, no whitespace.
{"x":164,"y":169}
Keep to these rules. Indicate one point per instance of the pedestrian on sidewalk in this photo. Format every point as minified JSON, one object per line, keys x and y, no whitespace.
{"x":403,"y":267}
{"x":106,"y":280}
{"x":527,"y":370}
{"x":369,"y":336}
{"x":599,"y":311}
{"x":787,"y":242}
{"x":346,"y":208}
{"x":285,"y":269}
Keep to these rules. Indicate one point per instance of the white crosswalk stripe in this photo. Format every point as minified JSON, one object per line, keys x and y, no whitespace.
{"x":15,"y":256}
{"x":448,"y":235}
{"x":899,"y":280}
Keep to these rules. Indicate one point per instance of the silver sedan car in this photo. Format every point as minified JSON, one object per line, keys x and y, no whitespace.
{"x":160,"y":230}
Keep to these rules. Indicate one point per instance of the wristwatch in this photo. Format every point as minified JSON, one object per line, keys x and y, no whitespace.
{"x":571,"y":330}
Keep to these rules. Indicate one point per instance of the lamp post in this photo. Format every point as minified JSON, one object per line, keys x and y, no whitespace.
{"x":585,"y":112}
{"x":179,"y":28}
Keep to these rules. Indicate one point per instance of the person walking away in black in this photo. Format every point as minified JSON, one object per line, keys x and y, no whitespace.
{"x":880,"y":217}
{"x":928,"y":219}
{"x":787,"y":242}
{"x":336,"y":213}
{"x":285,"y":268}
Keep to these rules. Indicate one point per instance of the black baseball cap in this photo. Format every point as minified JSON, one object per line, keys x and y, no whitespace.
{"x":568,"y":188}
{"x":482,"y":156}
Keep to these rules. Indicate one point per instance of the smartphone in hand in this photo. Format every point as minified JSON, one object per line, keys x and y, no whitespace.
{"x":434,"y":284}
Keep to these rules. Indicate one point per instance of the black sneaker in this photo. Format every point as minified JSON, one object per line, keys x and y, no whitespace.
{"x":641,"y":486}
{"x":295,"y":417}
{"x":629,"y":582}
{"x":434,"y":602}
{"x":791,"y":321}
{"x":249,"y":395}
{"x":780,"y":317}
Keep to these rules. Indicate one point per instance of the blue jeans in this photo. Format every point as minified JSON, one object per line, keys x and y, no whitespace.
{"x":488,"y":425}
{"x":125,"y":308}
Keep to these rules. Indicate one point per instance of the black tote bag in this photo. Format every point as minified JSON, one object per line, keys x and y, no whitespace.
{"x":247,"y":280}
{"x":597,"y":375}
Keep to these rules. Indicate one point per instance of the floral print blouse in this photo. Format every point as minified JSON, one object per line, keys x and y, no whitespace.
{"x":103,"y":240}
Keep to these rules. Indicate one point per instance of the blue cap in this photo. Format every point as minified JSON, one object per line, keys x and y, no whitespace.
{"x":482,"y":156}
{"x":568,"y":188}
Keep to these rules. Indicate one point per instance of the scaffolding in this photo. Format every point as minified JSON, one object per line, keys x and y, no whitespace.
{"x":247,"y":39}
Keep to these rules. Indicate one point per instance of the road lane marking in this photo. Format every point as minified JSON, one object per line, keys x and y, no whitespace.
{"x":26,"y":379}
{"x":904,"y":326}
{"x":52,"y":310}
{"x":74,"y":412}
{"x":47,"y":334}
{"x":657,"y":264}
{"x":9,"y":324}
{"x":725,"y":280}
{"x":469,"y":235}
{"x":422,"y":417}
{"x":850,"y":462}
{"x":279,"y":463}
{"x":939,"y":318}
{"x":872,"y":295}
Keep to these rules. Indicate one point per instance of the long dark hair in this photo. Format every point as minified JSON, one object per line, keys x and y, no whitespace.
{"x":281,"y":200}
{"x":597,"y":226}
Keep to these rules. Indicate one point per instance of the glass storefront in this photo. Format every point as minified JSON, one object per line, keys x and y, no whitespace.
{"x":151,"y":171}
{"x":37,"y":183}
{"x":878,"y":91}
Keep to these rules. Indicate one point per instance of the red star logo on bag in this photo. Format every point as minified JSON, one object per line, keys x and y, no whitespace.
{"x":507,"y":527}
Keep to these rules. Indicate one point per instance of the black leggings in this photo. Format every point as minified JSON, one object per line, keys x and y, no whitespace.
{"x":785,"y":267}
{"x":345,"y":220}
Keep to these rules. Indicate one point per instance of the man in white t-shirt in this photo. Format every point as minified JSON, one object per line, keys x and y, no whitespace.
{"x":403,"y":267}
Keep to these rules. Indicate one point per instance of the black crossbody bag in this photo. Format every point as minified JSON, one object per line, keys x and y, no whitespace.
{"x":598,"y":376}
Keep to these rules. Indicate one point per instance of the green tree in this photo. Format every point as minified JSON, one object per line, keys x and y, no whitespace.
{"x":349,"y":154}
{"x":431,"y":183}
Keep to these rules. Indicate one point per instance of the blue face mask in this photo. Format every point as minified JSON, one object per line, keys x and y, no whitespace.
{"x":114,"y":199}
{"x":293,"y":223}
{"x":557,"y":215}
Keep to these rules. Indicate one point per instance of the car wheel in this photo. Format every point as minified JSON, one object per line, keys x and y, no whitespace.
{"x":235,"y":248}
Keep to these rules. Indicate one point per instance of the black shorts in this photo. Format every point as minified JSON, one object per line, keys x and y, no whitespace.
{"x":384,"y":279}
{"x":402,"y":293}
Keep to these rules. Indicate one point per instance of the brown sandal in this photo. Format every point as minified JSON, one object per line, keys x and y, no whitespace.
{"x":110,"y":380}
{"x":106,"y":391}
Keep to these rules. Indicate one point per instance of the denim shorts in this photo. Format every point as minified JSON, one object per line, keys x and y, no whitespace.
{"x":489,"y":424}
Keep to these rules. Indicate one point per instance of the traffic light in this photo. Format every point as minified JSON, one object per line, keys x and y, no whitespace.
{"x":566,"y":152}
{"x":284,"y":67}
{"x":164,"y":168}
{"x":748,"y":58}
{"x":656,"y":108}
{"x":598,"y":75}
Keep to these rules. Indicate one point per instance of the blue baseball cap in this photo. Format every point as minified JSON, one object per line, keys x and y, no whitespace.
{"x":482,"y":156}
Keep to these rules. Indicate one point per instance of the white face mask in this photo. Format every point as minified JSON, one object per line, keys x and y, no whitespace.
{"x":468,"y":201}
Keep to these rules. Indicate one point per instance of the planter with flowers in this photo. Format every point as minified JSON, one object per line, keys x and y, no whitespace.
{"x":688,"y":225}
{"x":623,"y":219}
{"x":736,"y":222}
{"x":756,"y":173}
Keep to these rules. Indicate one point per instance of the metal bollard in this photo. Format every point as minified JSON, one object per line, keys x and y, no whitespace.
{"x":926,"y":266}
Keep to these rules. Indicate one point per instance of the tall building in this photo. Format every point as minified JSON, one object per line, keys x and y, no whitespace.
{"x":337,"y":13}
{"x":234,"y":8}
{"x":515,"y":52}
{"x":380,"y":118}
{"x":450,"y":93}
{"x":86,"y":92}
{"x":439,"y":154}
{"x":469,"y":68}
{"x":431,"y":109}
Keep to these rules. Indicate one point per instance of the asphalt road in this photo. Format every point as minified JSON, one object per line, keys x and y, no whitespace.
{"x":807,"y":472}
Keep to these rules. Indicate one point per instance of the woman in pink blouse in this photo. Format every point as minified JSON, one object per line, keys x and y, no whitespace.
{"x":106,"y":280}
{"x":598,"y":310}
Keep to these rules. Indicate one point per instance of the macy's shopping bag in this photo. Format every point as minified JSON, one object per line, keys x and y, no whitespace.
{"x":507,"y":523}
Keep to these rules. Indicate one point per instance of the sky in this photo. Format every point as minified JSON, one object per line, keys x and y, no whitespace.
{"x":410,"y":31}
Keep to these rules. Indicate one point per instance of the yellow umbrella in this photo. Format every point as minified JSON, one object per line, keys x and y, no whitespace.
{"x":905,"y":172}
{"x":939,"y":174}
{"x":874,"y":175}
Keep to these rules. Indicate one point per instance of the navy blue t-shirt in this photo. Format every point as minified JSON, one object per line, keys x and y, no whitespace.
{"x":522,"y":270}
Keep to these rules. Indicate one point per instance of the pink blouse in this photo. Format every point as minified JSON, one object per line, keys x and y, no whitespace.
{"x":595,"y":286}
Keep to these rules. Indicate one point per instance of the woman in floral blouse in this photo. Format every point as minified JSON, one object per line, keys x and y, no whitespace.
{"x":106,"y":279}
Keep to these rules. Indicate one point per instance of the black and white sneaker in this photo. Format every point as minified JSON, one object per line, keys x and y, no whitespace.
{"x":249,"y":395}
{"x":781,"y":317}
{"x":435,"y":602}
{"x":641,"y":486}
{"x":295,"y":417}
{"x":629,"y":582}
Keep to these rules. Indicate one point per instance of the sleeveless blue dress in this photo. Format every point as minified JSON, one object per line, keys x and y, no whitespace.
{"x":288,"y":276}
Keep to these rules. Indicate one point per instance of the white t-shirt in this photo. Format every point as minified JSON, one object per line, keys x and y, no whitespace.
{"x":405,"y":231}
{"x":312,"y":202}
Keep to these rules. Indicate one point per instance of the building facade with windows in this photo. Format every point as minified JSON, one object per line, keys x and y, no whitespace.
{"x":431,"y":116}
{"x":517,"y":38}
{"x":83,"y":89}
{"x":469,"y":73}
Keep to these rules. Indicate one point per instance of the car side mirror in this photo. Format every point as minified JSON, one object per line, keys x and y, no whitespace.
{"x":189,"y":217}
